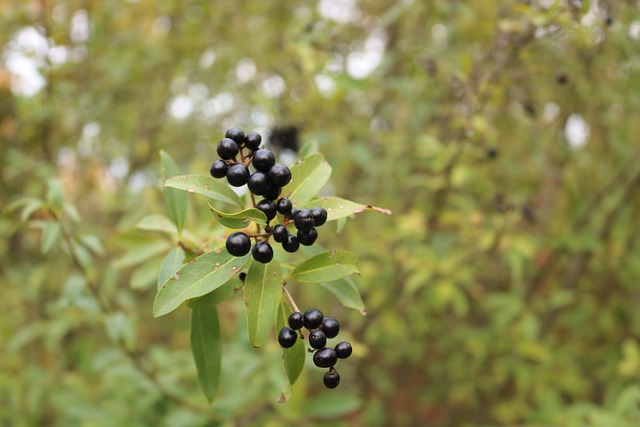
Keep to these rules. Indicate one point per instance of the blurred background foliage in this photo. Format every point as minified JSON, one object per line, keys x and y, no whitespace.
{"x":502,"y":134}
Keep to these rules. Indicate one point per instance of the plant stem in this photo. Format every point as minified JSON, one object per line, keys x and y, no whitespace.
{"x":287,"y":294}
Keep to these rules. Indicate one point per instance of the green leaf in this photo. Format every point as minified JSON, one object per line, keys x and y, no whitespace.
{"x":50,"y":234}
{"x":325,"y":267}
{"x":293,"y":358}
{"x":239,"y":219}
{"x":205,"y":186}
{"x":176,"y":200}
{"x":206,"y":347}
{"x":141,"y":251}
{"x":170,"y":265}
{"x":331,"y":405}
{"x":262,"y":294}
{"x":338,"y":208}
{"x":197,"y":278}
{"x":144,"y":276}
{"x":347,"y":293}
{"x":157,"y":223}
{"x":308,"y":177}
{"x":55,"y":193}
{"x":216,"y":296}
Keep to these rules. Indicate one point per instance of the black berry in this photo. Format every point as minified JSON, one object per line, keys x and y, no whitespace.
{"x":307,"y":238}
{"x":296,"y":320}
{"x":237,"y":175}
{"x":236,"y":134}
{"x":330,"y":327}
{"x":272,"y":192}
{"x":325,"y":358}
{"x":291,"y":244}
{"x":218,"y":169}
{"x":227,"y":149}
{"x":262,"y":252}
{"x":268,"y":207}
{"x":303,"y":220}
{"x":343,"y":349}
{"x":280,"y":233}
{"x":287,"y":337}
{"x":319,"y":216}
{"x":331,"y":379}
{"x":242,"y":276}
{"x":238,"y":244}
{"x":284,"y":206}
{"x":258,"y":183}
{"x":279,"y":175}
{"x":263,"y":160}
{"x":317,"y":339}
{"x":312,"y":318}
{"x":253,"y":140}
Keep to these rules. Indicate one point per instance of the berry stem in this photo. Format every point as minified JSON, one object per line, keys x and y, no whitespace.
{"x":287,"y":294}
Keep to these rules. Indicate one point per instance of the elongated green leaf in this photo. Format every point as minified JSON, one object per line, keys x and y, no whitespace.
{"x":145,"y":275}
{"x":141,"y":251}
{"x":262,"y":294}
{"x":293,"y":358}
{"x":176,"y":200}
{"x":307,"y":178}
{"x":218,"y":295}
{"x":338,"y":208}
{"x":170,"y":265}
{"x":205,"y":186}
{"x":239,"y":219}
{"x":206,"y":347}
{"x":157,"y":223}
{"x":197,"y":278}
{"x":347,"y":293}
{"x":325,"y":267}
{"x":50,"y":234}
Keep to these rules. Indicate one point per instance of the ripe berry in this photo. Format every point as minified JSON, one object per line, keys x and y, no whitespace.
{"x":343,"y":349}
{"x":331,"y":379}
{"x":307,"y":238}
{"x":317,"y":339}
{"x":303,"y":220}
{"x":312,"y":318}
{"x":296,"y":320}
{"x":272,"y":192}
{"x":242,"y":276}
{"x":284,"y":206}
{"x":291,"y":244}
{"x":263,"y":160}
{"x":279,"y":175}
{"x":237,"y":175}
{"x":258,"y":183}
{"x":253,"y":140}
{"x":280,"y":233}
{"x":325,"y":358}
{"x":238,"y":244}
{"x":319,"y":216}
{"x":218,"y":169}
{"x":262,"y":252}
{"x":330,"y":327}
{"x":287,"y":337}
{"x":236,"y":134}
{"x":227,"y":148}
{"x":268,"y":207}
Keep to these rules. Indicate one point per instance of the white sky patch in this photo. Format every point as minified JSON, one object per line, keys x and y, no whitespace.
{"x":261,"y":120}
{"x":440,"y":34}
{"x":91,"y":130}
{"x":634,"y":30}
{"x":198,"y":92}
{"x":361,"y":63}
{"x":23,"y":55}
{"x":273,"y":86}
{"x":325,"y":84}
{"x":576,"y":131}
{"x":181,"y":107}
{"x":80,"y":26}
{"x":207,"y":58}
{"x":141,"y":180}
{"x":550,"y":111}
{"x":245,"y":70}
{"x":161,"y":25}
{"x":342,"y":11}
{"x":220,"y":104}
{"x":118,"y":168}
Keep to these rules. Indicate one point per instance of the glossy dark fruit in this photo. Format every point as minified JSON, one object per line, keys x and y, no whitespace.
{"x":331,"y":379}
{"x":303,"y":220}
{"x":262,"y":252}
{"x":280,"y":233}
{"x":284,"y":206}
{"x":218,"y":169}
{"x":258,"y":183}
{"x":325,"y":358}
{"x":319,"y":216}
{"x":296,"y":320}
{"x":268,"y":207}
{"x":272,"y":192}
{"x":242,"y":276}
{"x":279,"y":175}
{"x":291,"y":245}
{"x":236,"y":134}
{"x":312,"y":318}
{"x":263,"y":160}
{"x":227,"y":149}
{"x":307,"y":238}
{"x":287,"y":337}
{"x":330,"y":327}
{"x":343,"y":349}
{"x":253,"y":140}
{"x":237,"y":175}
{"x":317,"y":339}
{"x":238,"y":244}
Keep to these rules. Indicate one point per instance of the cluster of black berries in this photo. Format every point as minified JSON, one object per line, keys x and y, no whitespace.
{"x":267,"y":181}
{"x":320,"y":328}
